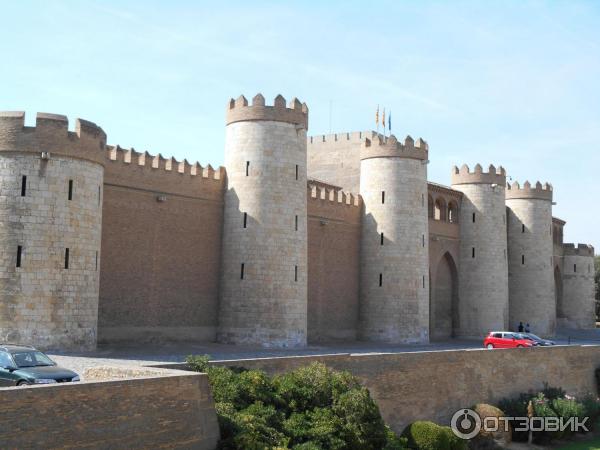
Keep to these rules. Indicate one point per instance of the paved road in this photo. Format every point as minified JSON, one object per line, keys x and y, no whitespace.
{"x":138,"y":355}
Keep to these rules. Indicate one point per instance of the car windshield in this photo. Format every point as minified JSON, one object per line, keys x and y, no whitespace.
{"x":533,"y":336}
{"x":31,"y":358}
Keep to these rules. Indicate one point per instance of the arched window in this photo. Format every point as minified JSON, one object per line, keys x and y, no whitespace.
{"x":452,"y":212}
{"x":439,"y":209}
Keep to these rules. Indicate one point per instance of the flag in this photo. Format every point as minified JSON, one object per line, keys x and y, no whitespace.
{"x":383,"y":120}
{"x":377,"y":116}
{"x":390,"y":121}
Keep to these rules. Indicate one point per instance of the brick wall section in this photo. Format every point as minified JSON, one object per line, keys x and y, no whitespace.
{"x":161,"y":259}
{"x":333,"y":267}
{"x":433,"y":385}
{"x":174,"y":412}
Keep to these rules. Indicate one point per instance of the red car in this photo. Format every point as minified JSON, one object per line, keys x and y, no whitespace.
{"x":506,"y":339}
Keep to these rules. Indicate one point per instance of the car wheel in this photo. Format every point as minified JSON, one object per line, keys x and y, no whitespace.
{"x":22,"y":383}
{"x":490,"y":346}
{"x":519,"y":346}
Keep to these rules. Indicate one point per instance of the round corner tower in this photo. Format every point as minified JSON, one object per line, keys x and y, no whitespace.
{"x":530,"y":257}
{"x":51,"y":214}
{"x":577,"y":308}
{"x":483,"y":275}
{"x":394,"y":297}
{"x":263,"y":297}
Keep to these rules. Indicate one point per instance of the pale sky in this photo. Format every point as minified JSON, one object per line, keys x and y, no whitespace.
{"x":513,"y":83}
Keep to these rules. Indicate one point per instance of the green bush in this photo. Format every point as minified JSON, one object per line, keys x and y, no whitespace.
{"x":311,"y":408}
{"x":551,"y":402}
{"x":423,"y":435}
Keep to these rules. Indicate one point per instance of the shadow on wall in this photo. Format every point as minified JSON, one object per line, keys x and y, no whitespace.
{"x":444,"y":318}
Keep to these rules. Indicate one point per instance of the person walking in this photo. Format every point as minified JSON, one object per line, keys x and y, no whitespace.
{"x":520,"y":327}
{"x":527,"y":329}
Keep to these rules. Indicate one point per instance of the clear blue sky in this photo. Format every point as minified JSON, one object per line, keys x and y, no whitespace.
{"x":515,"y":83}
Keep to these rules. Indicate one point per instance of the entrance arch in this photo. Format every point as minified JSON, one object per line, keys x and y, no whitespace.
{"x":443,"y":302}
{"x":558,"y":293}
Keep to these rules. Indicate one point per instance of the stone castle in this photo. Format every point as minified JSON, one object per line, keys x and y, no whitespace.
{"x":296,"y":240}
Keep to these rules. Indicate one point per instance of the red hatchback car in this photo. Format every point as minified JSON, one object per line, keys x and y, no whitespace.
{"x":506,"y":339}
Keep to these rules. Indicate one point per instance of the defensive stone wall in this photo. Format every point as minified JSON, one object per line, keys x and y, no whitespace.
{"x":335,"y":158}
{"x":394,"y":298}
{"x":483,"y":275}
{"x":51,"y":210}
{"x":172,"y":410}
{"x":334,"y":224}
{"x":161,"y":246}
{"x":530,"y":257}
{"x":434,"y":385}
{"x":264,"y":277}
{"x":578,"y":302}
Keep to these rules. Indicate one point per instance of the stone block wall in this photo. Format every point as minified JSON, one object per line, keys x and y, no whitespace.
{"x":161,"y":247}
{"x":334,"y":224}
{"x":434,"y":385}
{"x":168,"y":412}
{"x":51,"y":214}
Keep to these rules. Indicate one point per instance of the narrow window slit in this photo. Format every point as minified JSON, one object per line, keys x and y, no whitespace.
{"x":382,"y":197}
{"x":66,"y":258}
{"x":23,"y":185}
{"x":245,"y":220}
{"x":473,"y":252}
{"x":295,"y":273}
{"x":381,"y":239}
{"x":247,"y":168}
{"x":19,"y":253}
{"x":380,"y":279}
{"x":70,"y":189}
{"x":242,"y":272}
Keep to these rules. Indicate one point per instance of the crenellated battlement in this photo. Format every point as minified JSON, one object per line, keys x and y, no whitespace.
{"x":323,"y":191}
{"x":142,"y":170}
{"x":354,"y":136}
{"x":580,"y":250}
{"x":239,"y":111}
{"x":539,"y":191}
{"x":464,"y":175}
{"x":51,"y":135}
{"x":379,"y":146}
{"x":169,"y":165}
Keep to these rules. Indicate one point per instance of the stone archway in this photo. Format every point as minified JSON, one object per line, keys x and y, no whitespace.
{"x":443,"y":303}
{"x":558,"y":293}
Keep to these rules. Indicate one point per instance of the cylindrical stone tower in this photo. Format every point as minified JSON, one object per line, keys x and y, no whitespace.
{"x":530,"y":258}
{"x":578,"y":303}
{"x":50,"y":229}
{"x":483,"y":274}
{"x":394,"y":293}
{"x":264,"y":277}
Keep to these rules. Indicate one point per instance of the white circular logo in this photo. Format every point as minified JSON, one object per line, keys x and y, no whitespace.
{"x":465,"y":423}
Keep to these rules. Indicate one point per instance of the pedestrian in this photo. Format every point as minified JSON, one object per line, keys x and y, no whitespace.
{"x":527,"y":330}
{"x":520,"y":327}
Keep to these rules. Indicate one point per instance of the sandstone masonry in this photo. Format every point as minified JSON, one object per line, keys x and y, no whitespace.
{"x":297,"y":239}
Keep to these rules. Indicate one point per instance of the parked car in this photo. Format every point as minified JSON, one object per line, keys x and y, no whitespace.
{"x":538,"y":340}
{"x":23,"y":365}
{"x":506,"y":339}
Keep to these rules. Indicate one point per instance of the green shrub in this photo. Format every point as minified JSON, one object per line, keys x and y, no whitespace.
{"x":310,"y":408}
{"x":423,"y":435}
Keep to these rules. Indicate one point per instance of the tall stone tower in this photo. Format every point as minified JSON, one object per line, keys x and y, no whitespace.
{"x":394,"y":297}
{"x":51,"y":215}
{"x":530,"y":257}
{"x":483,"y":275}
{"x":578,"y":305}
{"x":264,"y":277}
